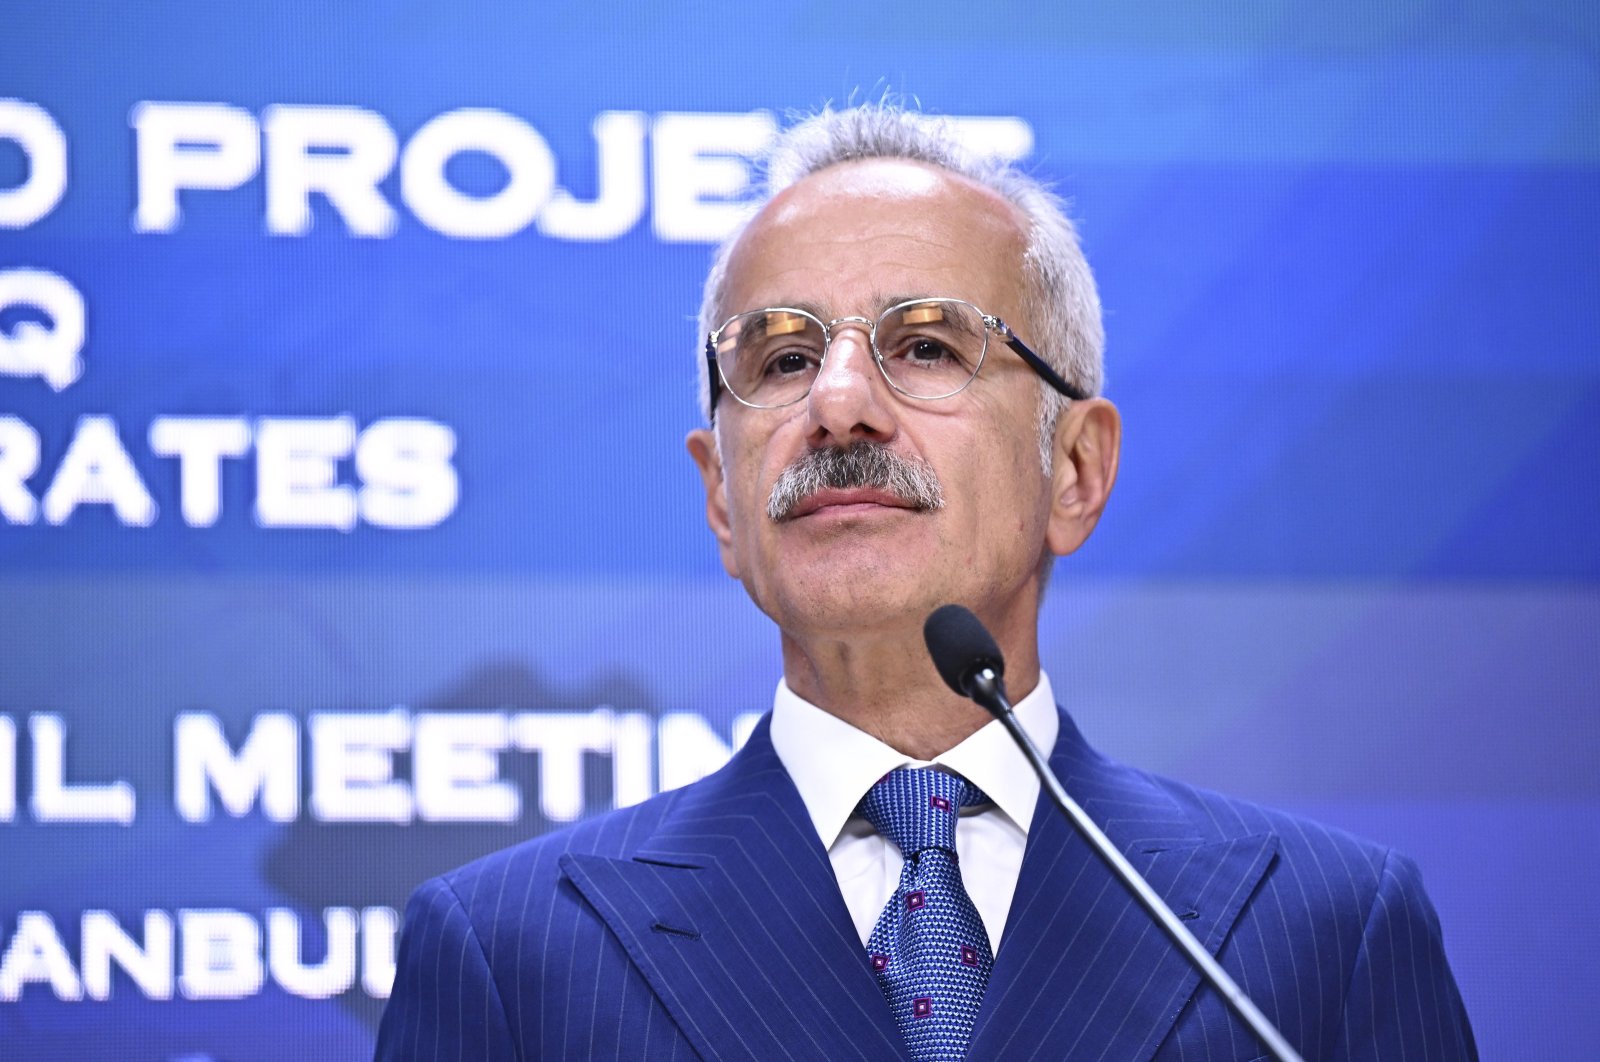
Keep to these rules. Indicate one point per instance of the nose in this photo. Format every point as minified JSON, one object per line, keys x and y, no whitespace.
{"x":849,"y":399}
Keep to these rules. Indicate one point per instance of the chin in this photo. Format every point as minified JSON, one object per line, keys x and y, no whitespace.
{"x":842,"y":600}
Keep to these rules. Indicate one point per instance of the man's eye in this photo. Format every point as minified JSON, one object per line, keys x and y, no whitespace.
{"x":928,"y":352}
{"x":788,"y":363}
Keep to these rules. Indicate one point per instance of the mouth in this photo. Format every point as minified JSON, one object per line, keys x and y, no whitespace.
{"x":835,"y":501}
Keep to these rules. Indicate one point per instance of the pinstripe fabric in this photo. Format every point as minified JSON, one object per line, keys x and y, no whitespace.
{"x":707,"y":923}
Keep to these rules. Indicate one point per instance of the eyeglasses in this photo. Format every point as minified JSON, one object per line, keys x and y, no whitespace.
{"x":926,"y":348}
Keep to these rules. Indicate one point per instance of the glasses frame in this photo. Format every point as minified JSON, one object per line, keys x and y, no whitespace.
{"x":991,"y":323}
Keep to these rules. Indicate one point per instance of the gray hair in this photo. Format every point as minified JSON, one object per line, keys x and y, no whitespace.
{"x":1062,"y":302}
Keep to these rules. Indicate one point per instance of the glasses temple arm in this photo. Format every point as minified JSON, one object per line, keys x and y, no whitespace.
{"x":714,"y":378}
{"x":1039,"y":365}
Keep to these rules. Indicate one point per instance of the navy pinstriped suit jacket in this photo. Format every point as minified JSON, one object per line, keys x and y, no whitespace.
{"x":707,"y":922}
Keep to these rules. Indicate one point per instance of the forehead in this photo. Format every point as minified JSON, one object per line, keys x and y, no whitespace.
{"x":848,"y":237}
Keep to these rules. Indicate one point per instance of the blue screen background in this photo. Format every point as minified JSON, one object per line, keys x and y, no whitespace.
{"x":1348,"y":256}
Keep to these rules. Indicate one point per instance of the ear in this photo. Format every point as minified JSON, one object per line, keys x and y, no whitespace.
{"x":1088,"y":441}
{"x":702,"y":446}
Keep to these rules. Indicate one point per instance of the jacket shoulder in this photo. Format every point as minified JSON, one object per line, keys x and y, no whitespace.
{"x":484,"y":946}
{"x":1301,"y":841}
{"x":614,"y":833}
{"x":1339,"y":941}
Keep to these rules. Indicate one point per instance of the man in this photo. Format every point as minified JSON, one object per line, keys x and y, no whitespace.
{"x":873,"y":875}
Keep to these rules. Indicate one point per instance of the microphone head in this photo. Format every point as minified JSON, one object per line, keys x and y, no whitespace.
{"x":961,"y":646}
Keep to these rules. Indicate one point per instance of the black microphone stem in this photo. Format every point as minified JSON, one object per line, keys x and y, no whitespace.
{"x":987,"y":689}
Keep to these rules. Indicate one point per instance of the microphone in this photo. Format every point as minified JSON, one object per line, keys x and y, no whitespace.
{"x":970,"y":662}
{"x":962,"y":649}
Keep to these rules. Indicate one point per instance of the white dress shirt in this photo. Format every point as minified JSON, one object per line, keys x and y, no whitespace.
{"x":833,"y":764}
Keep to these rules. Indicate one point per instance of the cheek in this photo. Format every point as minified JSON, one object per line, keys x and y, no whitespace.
{"x":747,"y":487}
{"x":1004,"y":499}
{"x":752,"y":462}
{"x":740,"y":491}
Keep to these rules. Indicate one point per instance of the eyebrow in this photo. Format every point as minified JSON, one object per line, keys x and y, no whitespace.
{"x":881,"y":302}
{"x":886,"y":301}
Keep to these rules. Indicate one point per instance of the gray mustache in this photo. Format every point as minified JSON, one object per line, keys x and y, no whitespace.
{"x":865,"y":465}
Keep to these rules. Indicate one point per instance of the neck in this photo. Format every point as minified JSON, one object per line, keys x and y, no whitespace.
{"x":884,"y":683}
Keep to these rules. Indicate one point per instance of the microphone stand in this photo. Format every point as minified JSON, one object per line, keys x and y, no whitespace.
{"x":986,"y":688}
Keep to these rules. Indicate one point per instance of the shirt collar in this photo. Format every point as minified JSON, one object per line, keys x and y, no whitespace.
{"x":833,"y":764}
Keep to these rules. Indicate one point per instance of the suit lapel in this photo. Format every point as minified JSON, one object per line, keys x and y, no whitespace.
{"x":1080,"y":966}
{"x":732,"y":912}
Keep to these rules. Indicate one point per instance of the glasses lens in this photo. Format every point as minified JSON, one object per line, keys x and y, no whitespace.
{"x":932,"y":348}
{"x":770,"y":357}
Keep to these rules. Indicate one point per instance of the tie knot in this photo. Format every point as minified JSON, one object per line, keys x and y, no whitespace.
{"x":916,"y":807}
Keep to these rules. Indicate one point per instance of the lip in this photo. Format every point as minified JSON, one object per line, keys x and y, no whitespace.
{"x":833,"y":501}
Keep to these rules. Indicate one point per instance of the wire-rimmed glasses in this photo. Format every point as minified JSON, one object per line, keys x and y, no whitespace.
{"x":927,"y":349}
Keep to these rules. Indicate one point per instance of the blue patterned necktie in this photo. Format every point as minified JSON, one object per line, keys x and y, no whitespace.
{"x":929,"y":949}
